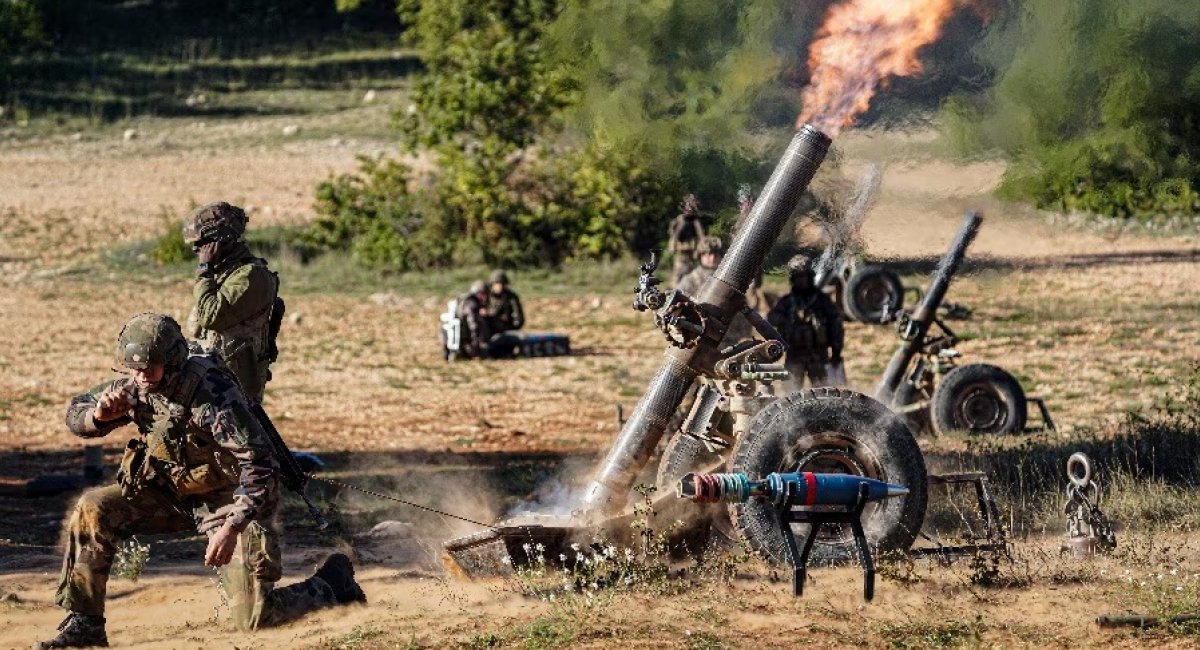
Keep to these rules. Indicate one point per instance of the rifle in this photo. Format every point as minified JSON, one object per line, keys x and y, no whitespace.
{"x":291,"y":474}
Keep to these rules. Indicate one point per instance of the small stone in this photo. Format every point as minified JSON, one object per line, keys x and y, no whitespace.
{"x":597,"y":303}
{"x":10,"y":598}
{"x":369,"y":96}
{"x":291,"y":129}
{"x":76,"y":137}
{"x":295,"y":319}
{"x":129,"y":134}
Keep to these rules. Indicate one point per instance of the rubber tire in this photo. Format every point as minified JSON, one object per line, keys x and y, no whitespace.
{"x":868,"y":290}
{"x":836,"y":419}
{"x":918,"y":421}
{"x":961,"y":382}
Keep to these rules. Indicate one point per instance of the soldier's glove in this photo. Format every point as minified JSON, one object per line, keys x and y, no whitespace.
{"x":114,"y":404}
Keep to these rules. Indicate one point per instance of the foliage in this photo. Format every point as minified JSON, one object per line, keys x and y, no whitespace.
{"x":1095,"y":104}
{"x":170,"y":248}
{"x":505,"y":191}
{"x":20,"y":27}
{"x":686,"y":85}
{"x":131,"y":559}
{"x":486,"y":77}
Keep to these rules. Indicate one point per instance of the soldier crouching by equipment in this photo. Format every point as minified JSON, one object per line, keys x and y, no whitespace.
{"x":504,"y":305}
{"x":504,"y":315}
{"x":237,"y":309}
{"x":810,"y":324}
{"x":202,"y":462}
{"x":473,"y":310}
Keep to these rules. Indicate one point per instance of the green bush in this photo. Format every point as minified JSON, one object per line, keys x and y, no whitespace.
{"x":1095,"y":104}
{"x":20,"y":28}
{"x":170,"y":248}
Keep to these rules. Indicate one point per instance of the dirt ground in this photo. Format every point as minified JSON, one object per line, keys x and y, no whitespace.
{"x":1095,"y":322}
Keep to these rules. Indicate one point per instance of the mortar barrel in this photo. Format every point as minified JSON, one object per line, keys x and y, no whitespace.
{"x":925,"y":312}
{"x":720,"y":297}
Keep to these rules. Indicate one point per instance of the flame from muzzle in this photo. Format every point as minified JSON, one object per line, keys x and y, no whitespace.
{"x":861,"y":45}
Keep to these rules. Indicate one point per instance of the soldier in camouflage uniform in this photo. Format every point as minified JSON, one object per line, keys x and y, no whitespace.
{"x":473,"y":310}
{"x":504,"y":305}
{"x":201,"y":462}
{"x":810,"y":324}
{"x":686,"y":232}
{"x":709,"y":252}
{"x":235,"y":294}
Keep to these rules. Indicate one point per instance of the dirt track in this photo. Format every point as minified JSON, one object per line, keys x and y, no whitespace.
{"x":1095,"y":323}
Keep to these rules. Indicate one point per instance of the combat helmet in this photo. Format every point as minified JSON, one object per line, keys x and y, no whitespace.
{"x":690,"y":204}
{"x":498,"y":276}
{"x":218,"y":221}
{"x":151,"y":339}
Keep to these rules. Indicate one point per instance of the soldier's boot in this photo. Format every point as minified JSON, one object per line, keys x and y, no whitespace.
{"x":77,"y":631}
{"x":338,"y":572}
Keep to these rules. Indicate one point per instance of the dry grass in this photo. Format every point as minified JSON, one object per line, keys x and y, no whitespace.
{"x":362,"y":372}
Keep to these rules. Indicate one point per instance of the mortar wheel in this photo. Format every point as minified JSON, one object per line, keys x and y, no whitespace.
{"x":871,"y":291}
{"x":980,"y":398}
{"x":833,"y":431}
{"x":711,"y":525}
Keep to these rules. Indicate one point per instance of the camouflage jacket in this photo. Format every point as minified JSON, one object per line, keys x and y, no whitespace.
{"x":686,"y":231}
{"x":208,"y":443}
{"x":475,"y":326}
{"x":504,"y":311}
{"x":810,"y":324}
{"x":232,"y":313}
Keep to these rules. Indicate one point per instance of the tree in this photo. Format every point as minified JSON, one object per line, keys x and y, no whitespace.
{"x":1096,"y":105}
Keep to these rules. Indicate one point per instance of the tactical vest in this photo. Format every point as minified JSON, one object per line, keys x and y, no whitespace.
{"x":246,"y":346}
{"x":806,"y":331}
{"x":172,"y":452}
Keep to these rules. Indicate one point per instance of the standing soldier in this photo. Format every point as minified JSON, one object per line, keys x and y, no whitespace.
{"x":686,"y":233}
{"x":810,"y":324}
{"x":504,"y":306}
{"x":237,"y":310}
{"x":201,"y":462}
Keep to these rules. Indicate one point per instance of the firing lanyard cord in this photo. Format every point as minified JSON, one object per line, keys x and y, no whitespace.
{"x":389,"y":497}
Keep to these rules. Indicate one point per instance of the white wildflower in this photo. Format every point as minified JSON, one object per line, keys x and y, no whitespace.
{"x":575,"y":547}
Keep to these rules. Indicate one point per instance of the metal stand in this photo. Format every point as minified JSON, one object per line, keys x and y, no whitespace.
{"x":994,"y":539}
{"x":816,"y":519}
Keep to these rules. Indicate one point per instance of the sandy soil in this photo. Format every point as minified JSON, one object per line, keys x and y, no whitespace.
{"x":1095,"y":323}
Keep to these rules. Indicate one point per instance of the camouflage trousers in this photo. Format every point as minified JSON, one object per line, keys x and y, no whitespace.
{"x":103,"y":518}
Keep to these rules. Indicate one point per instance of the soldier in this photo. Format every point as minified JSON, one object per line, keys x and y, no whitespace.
{"x":201,"y":462}
{"x":237,"y":310}
{"x":810,"y":324}
{"x":709,"y":251}
{"x":686,"y":232}
{"x":504,"y":306}
{"x":476,"y":328}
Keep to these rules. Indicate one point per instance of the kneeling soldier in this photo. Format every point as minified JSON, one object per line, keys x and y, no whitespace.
{"x":201,"y":462}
